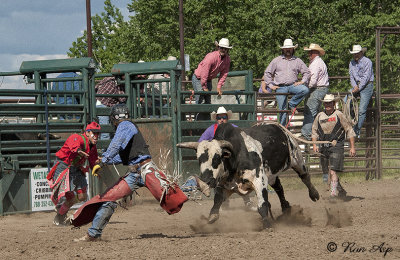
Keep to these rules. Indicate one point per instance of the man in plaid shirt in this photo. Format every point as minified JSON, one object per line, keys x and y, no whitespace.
{"x":108,"y":86}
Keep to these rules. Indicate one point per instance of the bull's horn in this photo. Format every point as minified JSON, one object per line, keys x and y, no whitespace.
{"x":242,"y":191}
{"x":191,"y":145}
{"x":225,"y":144}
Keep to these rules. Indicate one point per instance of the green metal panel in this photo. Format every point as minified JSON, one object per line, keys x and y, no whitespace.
{"x":146,"y":67}
{"x":58,"y":65}
{"x":14,"y":193}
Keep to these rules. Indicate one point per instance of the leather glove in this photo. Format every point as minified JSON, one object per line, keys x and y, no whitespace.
{"x":96,"y":169}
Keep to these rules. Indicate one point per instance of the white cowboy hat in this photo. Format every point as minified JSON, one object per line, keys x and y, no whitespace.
{"x":357,"y":49}
{"x":224,"y":43}
{"x":330,"y":98}
{"x":288,"y":44}
{"x":315,"y":47}
{"x":221,"y":110}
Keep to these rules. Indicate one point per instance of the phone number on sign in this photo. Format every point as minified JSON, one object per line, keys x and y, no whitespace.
{"x":41,"y":204}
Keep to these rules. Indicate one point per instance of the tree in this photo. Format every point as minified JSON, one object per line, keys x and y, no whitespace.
{"x":106,"y":42}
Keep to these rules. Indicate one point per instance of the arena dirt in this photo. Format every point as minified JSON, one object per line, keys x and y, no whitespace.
{"x":366,"y":226}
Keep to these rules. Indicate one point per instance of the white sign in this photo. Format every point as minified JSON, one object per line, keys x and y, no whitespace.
{"x":41,"y":192}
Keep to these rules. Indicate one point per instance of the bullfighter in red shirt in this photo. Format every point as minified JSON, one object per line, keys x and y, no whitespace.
{"x":67,"y":177}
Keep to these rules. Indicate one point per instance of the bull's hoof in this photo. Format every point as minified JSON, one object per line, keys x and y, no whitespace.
{"x":287,"y":209}
{"x":266,"y":224}
{"x":314,"y":195}
{"x":212,"y":218}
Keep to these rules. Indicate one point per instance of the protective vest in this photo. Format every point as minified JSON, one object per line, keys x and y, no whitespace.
{"x":136,"y":147}
{"x":337,"y":133}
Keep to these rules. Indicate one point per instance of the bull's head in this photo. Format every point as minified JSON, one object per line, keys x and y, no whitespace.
{"x":210,"y":155}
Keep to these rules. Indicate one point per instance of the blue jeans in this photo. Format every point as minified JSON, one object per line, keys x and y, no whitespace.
{"x":299,"y":92}
{"x":197,"y":87}
{"x":365,"y":96}
{"x":103,"y":120}
{"x":106,"y":210}
{"x":311,"y":109}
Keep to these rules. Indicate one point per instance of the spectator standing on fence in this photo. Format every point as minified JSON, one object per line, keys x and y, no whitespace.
{"x":213,"y":63}
{"x":108,"y":86}
{"x":281,"y":75}
{"x":362,"y":82}
{"x":68,"y":99}
{"x":331,"y":125}
{"x":318,"y":87}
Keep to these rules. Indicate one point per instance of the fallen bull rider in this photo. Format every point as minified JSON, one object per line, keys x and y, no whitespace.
{"x":129,"y":148}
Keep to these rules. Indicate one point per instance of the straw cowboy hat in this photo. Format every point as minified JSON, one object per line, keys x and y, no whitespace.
{"x":224,"y":43}
{"x":288,"y":44}
{"x":330,"y":98}
{"x":221,"y":110}
{"x":315,"y":47}
{"x":357,"y":49}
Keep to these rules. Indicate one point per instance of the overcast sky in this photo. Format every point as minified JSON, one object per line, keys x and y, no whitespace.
{"x":43,"y":29}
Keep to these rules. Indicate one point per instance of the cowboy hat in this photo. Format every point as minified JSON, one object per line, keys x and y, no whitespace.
{"x":315,"y":47}
{"x":223,"y":43}
{"x":357,"y":49}
{"x":330,"y":98}
{"x":288,"y":44}
{"x":221,"y":110}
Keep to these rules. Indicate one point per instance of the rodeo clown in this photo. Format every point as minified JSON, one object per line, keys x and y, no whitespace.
{"x":332,"y":125}
{"x":67,"y":178}
{"x":129,"y":148}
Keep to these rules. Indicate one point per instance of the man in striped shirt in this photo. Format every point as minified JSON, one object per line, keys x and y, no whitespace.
{"x":318,"y":87}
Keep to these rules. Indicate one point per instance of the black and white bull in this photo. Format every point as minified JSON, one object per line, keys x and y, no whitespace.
{"x":244,"y":159}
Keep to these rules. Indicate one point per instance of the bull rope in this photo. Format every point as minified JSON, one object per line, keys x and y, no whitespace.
{"x":293,"y":112}
{"x":295,"y":137}
{"x":351,"y":105}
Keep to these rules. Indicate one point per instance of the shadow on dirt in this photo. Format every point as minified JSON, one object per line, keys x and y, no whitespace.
{"x":160,"y":235}
{"x":350,"y":198}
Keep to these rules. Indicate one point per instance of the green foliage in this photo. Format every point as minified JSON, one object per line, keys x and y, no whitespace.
{"x":106,"y":38}
{"x":256,"y":29}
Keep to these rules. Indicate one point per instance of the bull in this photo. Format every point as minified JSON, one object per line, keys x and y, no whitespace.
{"x":239,"y":160}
